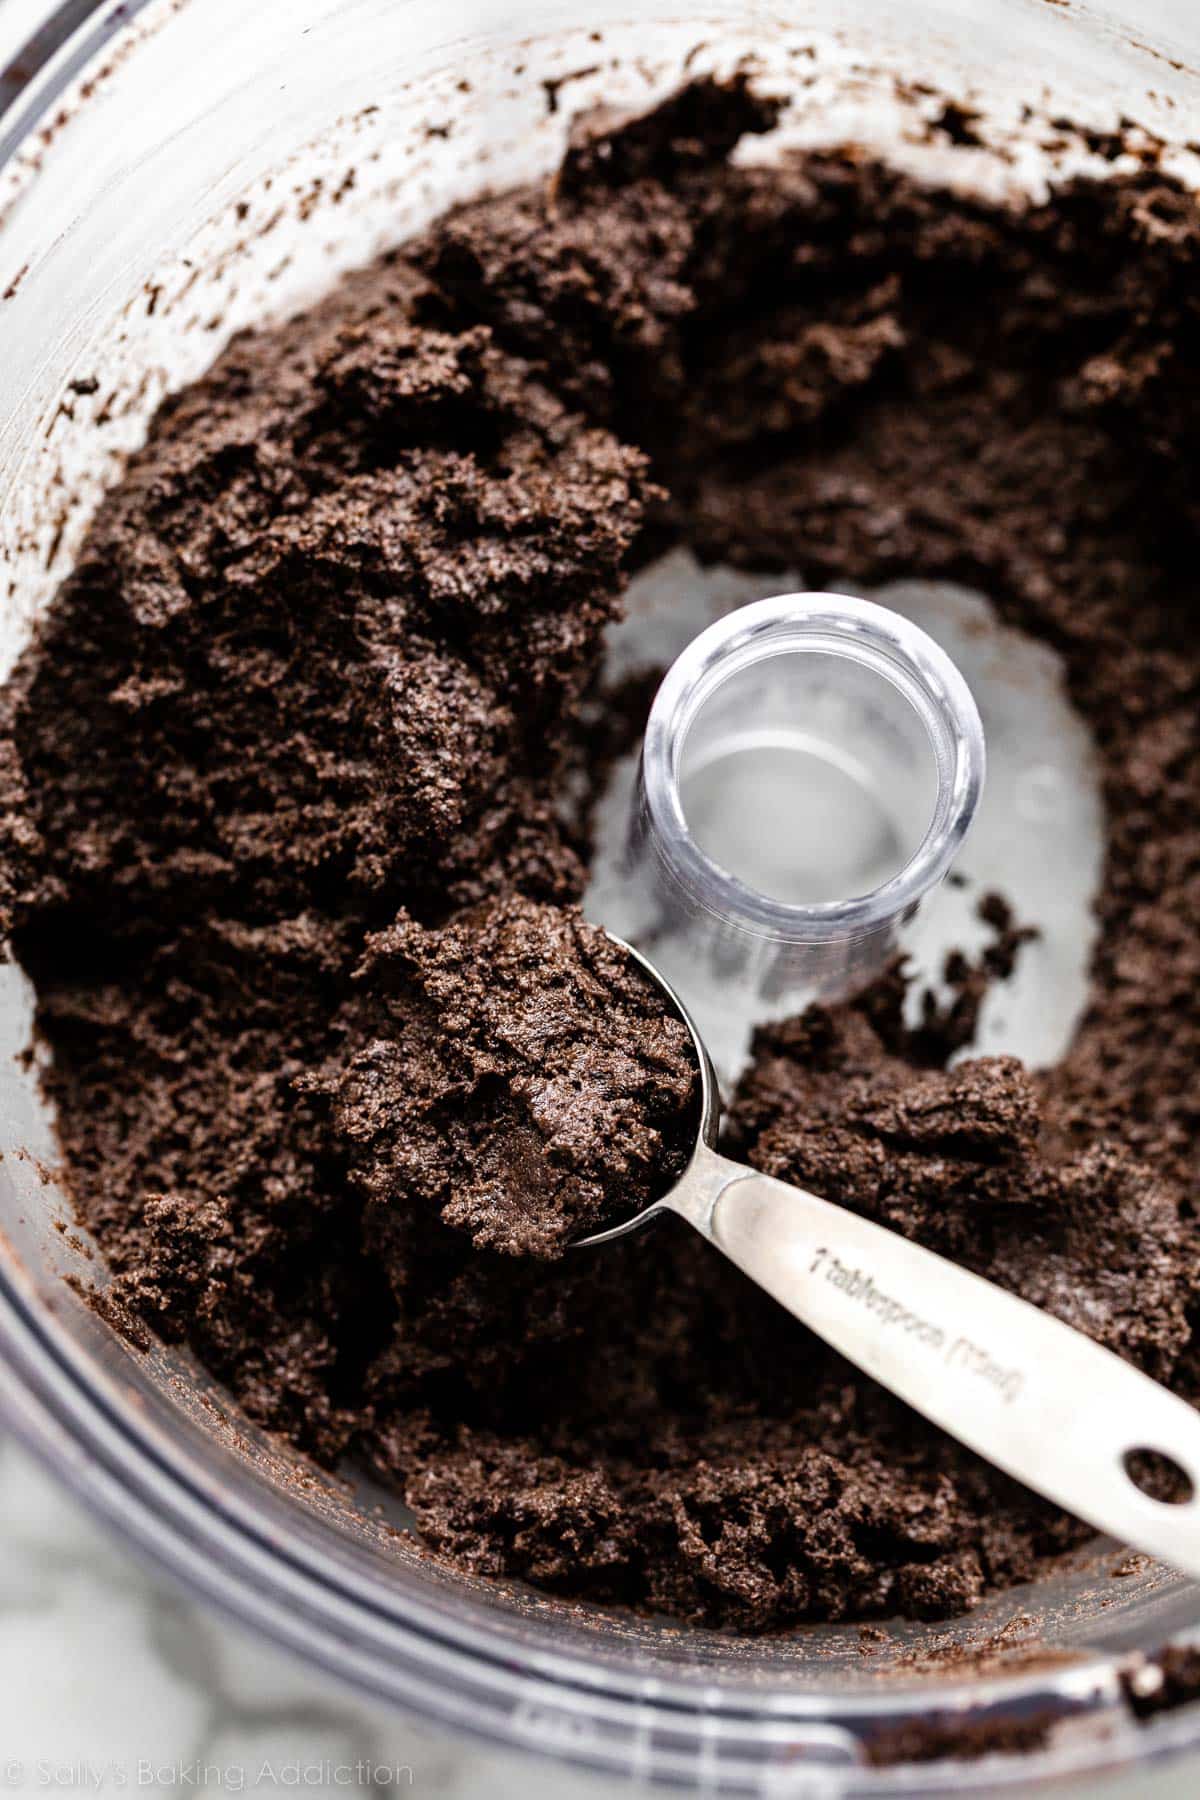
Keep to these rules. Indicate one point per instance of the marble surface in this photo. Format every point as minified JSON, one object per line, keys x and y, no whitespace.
{"x":110,"y":1681}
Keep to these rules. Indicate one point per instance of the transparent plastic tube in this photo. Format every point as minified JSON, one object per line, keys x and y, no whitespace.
{"x":811,"y":765}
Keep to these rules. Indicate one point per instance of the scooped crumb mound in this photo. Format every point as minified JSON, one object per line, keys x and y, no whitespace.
{"x":513,"y":1073}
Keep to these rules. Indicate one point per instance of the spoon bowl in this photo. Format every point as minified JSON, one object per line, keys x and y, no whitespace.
{"x":692,"y":1186}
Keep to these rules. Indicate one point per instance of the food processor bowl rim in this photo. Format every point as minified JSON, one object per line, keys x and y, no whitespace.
{"x":108,"y":1462}
{"x":39,"y":72}
{"x":59,"y":1390}
{"x":478,"y":1688}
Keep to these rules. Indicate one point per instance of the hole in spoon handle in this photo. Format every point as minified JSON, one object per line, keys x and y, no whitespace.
{"x":1158,"y":1475}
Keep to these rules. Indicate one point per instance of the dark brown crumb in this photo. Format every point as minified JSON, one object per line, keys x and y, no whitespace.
{"x":1169,"y":1679}
{"x":323,"y":666}
{"x":937,"y":1738}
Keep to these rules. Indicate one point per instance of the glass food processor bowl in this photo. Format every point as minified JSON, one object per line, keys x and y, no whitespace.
{"x":170,"y":172}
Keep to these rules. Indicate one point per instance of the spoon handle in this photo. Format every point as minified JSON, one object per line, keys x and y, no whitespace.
{"x":1032,"y":1395}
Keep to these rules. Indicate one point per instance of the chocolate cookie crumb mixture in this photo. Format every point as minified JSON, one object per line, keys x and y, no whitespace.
{"x":516,"y":1075}
{"x":288,"y":854}
{"x":956,"y":1160}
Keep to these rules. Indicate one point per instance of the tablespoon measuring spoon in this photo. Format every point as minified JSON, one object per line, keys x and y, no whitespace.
{"x":1034,"y":1396}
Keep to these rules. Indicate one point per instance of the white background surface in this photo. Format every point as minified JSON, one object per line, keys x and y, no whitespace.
{"x":103,"y":1671}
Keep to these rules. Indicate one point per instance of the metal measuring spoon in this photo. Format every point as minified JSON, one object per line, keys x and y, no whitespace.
{"x":1032,"y":1395}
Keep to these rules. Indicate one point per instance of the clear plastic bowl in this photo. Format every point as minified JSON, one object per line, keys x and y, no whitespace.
{"x":169,"y":172}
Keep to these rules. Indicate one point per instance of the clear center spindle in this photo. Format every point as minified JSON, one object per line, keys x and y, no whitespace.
{"x":810,"y":768}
